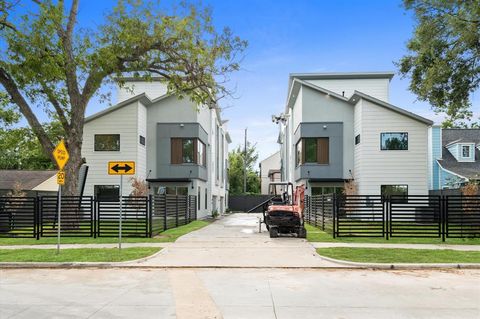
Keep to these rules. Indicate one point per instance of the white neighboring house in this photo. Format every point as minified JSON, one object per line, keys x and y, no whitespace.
{"x":339,"y":126}
{"x":178,"y":148}
{"x":270,"y":171}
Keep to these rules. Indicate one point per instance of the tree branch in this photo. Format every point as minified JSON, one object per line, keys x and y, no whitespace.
{"x":12,"y":89}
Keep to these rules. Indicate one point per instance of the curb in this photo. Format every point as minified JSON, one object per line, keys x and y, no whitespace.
{"x":385,"y":266}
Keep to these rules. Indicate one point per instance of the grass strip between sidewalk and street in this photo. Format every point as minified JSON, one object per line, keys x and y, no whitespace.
{"x":315,"y":234}
{"x":76,"y":255}
{"x":169,"y":235}
{"x":400,"y":255}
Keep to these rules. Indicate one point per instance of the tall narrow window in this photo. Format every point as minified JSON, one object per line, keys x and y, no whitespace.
{"x":299,"y":153}
{"x":201,"y":153}
{"x":310,"y":150}
{"x":188,"y":151}
{"x":465,"y":151}
{"x":199,"y":198}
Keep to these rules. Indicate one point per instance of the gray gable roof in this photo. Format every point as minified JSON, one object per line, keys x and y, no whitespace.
{"x":470,"y":170}
{"x":28,"y":179}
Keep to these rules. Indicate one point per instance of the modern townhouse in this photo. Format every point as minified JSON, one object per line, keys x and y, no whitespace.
{"x":454,"y":157}
{"x":341,"y":126}
{"x":269,"y":172}
{"x":179,"y":148}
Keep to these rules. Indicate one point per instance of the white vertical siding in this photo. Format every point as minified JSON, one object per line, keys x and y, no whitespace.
{"x":391,"y":167}
{"x":153,"y":90}
{"x":374,"y":87}
{"x":122,"y":121}
{"x":142,"y":149}
{"x":357,"y":129}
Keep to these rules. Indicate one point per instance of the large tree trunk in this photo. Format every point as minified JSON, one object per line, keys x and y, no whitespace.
{"x":74,"y":147}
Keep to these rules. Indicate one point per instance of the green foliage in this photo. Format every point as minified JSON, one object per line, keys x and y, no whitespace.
{"x":236,"y":170}
{"x":22,"y":150}
{"x":444,"y":56}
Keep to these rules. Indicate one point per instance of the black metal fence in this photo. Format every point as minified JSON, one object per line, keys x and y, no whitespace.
{"x":431,"y":216}
{"x":35,"y":217}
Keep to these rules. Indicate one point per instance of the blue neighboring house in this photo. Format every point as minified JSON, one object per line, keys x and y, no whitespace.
{"x":454,"y":157}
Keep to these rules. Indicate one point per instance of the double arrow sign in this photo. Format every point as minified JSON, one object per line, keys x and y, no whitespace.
{"x":121,"y":168}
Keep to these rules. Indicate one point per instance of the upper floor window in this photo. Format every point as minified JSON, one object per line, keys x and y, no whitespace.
{"x":313,"y":150}
{"x":142,"y":140}
{"x":393,"y":141}
{"x":107,"y":142}
{"x":188,"y":150}
{"x":466,"y":151}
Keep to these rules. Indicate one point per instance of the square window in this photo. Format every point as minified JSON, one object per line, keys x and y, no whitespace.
{"x":107,"y":193}
{"x":399,"y":193}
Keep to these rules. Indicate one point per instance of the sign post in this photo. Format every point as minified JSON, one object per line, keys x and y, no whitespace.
{"x":61,"y":156}
{"x":121,"y":168}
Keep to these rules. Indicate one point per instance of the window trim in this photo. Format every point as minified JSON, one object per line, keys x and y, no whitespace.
{"x":386,"y":149}
{"x":106,"y":134}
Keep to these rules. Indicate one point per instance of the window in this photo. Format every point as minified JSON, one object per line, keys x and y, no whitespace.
{"x":206,"y":198}
{"x":107,"y":142}
{"x":186,"y":150}
{"x":398,"y":191}
{"x":393,"y":141}
{"x":466,"y":151}
{"x":313,"y":150}
{"x":299,"y":153}
{"x":107,"y":193}
{"x":357,"y":139}
{"x":201,"y":153}
{"x":142,"y":140}
{"x":310,"y":150}
{"x":327,"y":190}
{"x":198,"y":197}
{"x":171,"y":190}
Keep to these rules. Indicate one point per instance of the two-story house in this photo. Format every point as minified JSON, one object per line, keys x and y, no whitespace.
{"x":179,"y":148}
{"x":454,"y":157}
{"x":341,"y":126}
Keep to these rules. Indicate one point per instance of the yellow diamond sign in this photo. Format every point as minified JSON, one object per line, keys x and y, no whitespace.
{"x":60,"y":154}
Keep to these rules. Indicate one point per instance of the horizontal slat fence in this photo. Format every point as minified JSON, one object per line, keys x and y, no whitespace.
{"x":76,"y":217}
{"x":135,"y":217}
{"x":463,"y":216}
{"x":430,"y":216}
{"x":170,"y":211}
{"x":18,"y":217}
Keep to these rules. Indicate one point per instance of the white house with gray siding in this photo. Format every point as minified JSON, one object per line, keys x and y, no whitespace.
{"x":178,"y":147}
{"x":339,"y":126}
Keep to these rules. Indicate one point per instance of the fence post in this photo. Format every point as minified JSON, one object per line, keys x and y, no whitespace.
{"x":149,"y":217}
{"x":334,"y":213}
{"x":95,"y":217}
{"x":37,"y":217}
{"x":387,"y":223}
{"x":165,"y":213}
{"x":176,"y":210}
{"x":444,"y":215}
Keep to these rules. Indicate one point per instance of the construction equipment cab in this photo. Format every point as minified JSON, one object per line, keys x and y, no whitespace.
{"x":283,"y":214}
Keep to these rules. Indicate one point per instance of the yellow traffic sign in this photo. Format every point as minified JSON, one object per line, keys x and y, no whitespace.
{"x":61,"y":178}
{"x":121,"y":168}
{"x":61,"y":155}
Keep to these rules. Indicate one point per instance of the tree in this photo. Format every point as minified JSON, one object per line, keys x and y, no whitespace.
{"x":444,"y":56}
{"x":22,"y":150}
{"x":47,"y":61}
{"x":236,"y":170}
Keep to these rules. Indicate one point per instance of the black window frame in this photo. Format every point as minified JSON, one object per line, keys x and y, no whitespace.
{"x":396,"y":198}
{"x":142,"y":140}
{"x":108,"y":198}
{"x":106,"y":150}
{"x":388,"y":149}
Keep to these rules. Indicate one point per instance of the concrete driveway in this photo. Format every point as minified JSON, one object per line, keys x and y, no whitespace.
{"x":234,"y":241}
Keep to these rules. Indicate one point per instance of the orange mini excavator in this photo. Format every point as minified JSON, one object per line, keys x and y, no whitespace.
{"x":283,"y":214}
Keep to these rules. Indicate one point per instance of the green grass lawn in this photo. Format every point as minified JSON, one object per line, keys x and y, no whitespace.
{"x":396,"y":255}
{"x":76,"y":255}
{"x":315,"y":234}
{"x":167,"y":236}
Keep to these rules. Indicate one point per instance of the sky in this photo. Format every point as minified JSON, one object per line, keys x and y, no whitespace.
{"x":286,"y":37}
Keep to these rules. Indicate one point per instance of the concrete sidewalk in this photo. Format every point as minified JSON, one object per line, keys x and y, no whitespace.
{"x":393,"y":246}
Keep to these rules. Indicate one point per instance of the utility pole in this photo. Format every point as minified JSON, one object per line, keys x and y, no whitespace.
{"x":245,"y":164}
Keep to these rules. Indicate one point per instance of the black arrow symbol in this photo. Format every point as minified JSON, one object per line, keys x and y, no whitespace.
{"x":125,"y":168}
